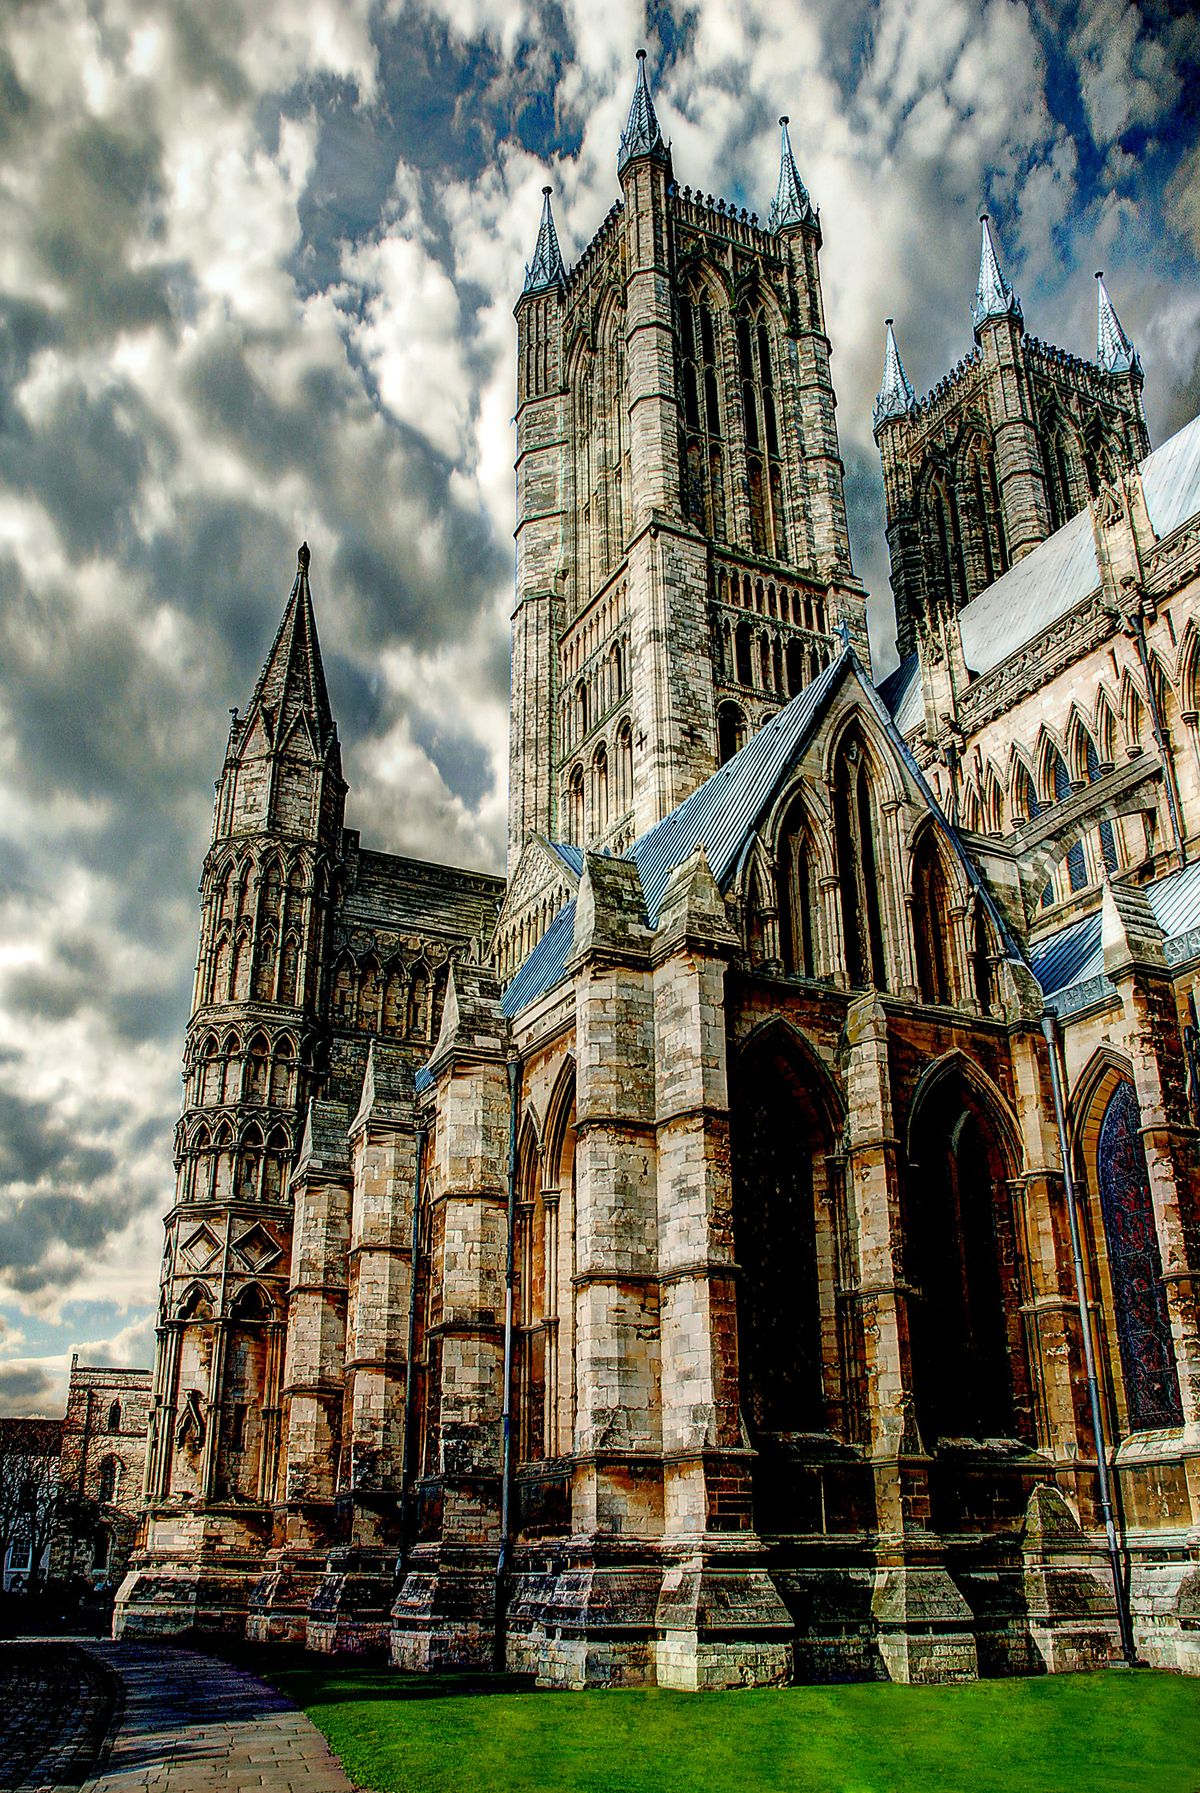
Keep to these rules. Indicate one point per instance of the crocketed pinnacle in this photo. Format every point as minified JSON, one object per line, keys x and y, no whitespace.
{"x":1114,"y":351}
{"x":293,"y":679}
{"x":641,"y":136}
{"x":546,"y":268}
{"x":896,"y":397}
{"x":791,"y":204}
{"x":994,"y":297}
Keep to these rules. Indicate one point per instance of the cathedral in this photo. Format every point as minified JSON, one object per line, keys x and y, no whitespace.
{"x":759,"y":1238}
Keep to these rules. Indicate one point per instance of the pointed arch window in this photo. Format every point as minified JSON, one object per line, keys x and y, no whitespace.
{"x":109,"y":1482}
{"x":257,"y":1066}
{"x":988,"y":556}
{"x":575,"y":806}
{"x":941,"y":530}
{"x":931,"y":922}
{"x":1060,"y":781}
{"x":1144,"y":1341}
{"x":418,"y":1003}
{"x":731,"y":731}
{"x":114,"y":1416}
{"x":760,"y":421}
{"x":1108,"y":840}
{"x":858,"y":868}
{"x":625,"y":767}
{"x":345,"y":992}
{"x":799,"y":895}
{"x":703,"y":446}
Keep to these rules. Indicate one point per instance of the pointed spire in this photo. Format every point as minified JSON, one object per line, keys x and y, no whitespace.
{"x":791,"y":204}
{"x":1115,"y":353}
{"x":546,"y":268}
{"x":641,"y":136}
{"x":294,"y":676}
{"x":896,"y":397}
{"x":994,"y":297}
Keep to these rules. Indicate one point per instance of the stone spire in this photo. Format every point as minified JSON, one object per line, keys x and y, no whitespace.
{"x":641,"y":136}
{"x":896,"y":397}
{"x":791,"y":204}
{"x":546,"y":268}
{"x":1114,"y":351}
{"x":293,"y":679}
{"x":994,"y":297}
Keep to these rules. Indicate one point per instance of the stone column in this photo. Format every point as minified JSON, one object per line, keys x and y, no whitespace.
{"x":721,"y":1622}
{"x":923,"y":1624}
{"x":444,"y":1615}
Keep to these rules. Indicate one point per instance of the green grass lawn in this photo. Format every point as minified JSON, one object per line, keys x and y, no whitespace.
{"x":1113,"y":1732}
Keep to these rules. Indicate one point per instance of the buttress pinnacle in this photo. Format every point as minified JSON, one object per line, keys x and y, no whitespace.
{"x":791,"y":204}
{"x":546,"y":268}
{"x":994,"y":297}
{"x":1115,"y":352}
{"x":641,"y":136}
{"x":896,"y":397}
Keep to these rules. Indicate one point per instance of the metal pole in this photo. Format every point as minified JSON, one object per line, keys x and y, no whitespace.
{"x":1050,"y":1029}
{"x":1160,"y":737}
{"x":499,"y":1650}
{"x":410,"y":1368}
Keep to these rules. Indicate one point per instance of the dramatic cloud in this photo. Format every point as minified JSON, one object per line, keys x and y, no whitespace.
{"x":257,"y":270}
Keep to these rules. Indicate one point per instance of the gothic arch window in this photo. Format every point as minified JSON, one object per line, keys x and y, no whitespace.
{"x":418,"y":1003}
{"x":345,"y":992}
{"x":283,"y":1068}
{"x":982,"y":955}
{"x":743,"y":654}
{"x":600,"y":788}
{"x":222,"y":962}
{"x":1027,"y":805}
{"x":582,"y":709}
{"x":625,"y":767}
{"x":799,"y":894}
{"x":760,"y":423}
{"x":209,"y":1089}
{"x":370,"y":994}
{"x":1101,"y":459}
{"x":249,"y":1165}
{"x":731,"y":731}
{"x":108,"y":1482}
{"x":275,"y":1161}
{"x":932,"y":924}
{"x":970,"y":1371}
{"x":242,"y":953}
{"x":1145,"y":1346}
{"x":1058,"y":780}
{"x":1105,"y":834}
{"x":575,"y":806}
{"x":113,"y":1423}
{"x":941,"y":534}
{"x":289,"y":969}
{"x":1065,"y":477}
{"x":796,"y":668}
{"x":256,"y":1069}
{"x":395,"y":985}
{"x":986,"y":557}
{"x":859,"y":866}
{"x":223,"y":1178}
{"x":704,"y":497}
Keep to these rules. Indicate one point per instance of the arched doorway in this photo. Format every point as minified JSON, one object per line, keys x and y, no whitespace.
{"x":970,"y":1371}
{"x":799,"y":1359}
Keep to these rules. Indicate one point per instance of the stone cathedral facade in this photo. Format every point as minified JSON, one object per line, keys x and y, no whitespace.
{"x":759,"y":1238}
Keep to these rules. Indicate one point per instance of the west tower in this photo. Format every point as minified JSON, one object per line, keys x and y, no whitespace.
{"x":682,"y":550}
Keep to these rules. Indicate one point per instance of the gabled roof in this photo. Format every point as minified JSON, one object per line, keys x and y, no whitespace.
{"x":1069,"y":965}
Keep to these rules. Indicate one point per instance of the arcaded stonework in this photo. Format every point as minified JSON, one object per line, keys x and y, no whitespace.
{"x":658,"y":1269}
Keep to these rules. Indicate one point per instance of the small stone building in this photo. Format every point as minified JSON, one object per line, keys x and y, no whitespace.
{"x":102,"y":1468}
{"x":760,"y":1238}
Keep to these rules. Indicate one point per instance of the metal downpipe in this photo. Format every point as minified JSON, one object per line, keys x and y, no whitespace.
{"x":499,"y":1655}
{"x":1050,"y":1029}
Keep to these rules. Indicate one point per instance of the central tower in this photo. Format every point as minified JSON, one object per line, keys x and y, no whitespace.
{"x":682,"y":552}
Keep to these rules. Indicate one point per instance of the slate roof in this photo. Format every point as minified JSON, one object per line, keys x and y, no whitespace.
{"x":1069,"y":965}
{"x":1057,"y":575}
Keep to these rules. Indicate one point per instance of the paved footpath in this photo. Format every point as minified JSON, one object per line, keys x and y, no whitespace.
{"x":161,"y":1720}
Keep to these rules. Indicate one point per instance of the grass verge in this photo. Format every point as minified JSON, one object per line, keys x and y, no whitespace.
{"x":1110,"y":1732}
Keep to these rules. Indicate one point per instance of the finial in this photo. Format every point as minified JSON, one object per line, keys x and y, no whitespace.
{"x":896,"y":397}
{"x":641,"y":136}
{"x":994,"y":297}
{"x":791,"y":204}
{"x":546,"y":269}
{"x":302,"y":558}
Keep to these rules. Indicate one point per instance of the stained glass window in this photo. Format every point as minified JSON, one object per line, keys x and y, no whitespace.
{"x":1139,"y":1301}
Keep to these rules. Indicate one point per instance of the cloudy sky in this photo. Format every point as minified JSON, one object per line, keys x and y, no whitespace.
{"x":257,"y":267}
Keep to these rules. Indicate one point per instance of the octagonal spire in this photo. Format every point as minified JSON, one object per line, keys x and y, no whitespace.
{"x":1115,"y":352}
{"x":546,"y":269}
{"x":641,"y":136}
{"x":896,"y":397}
{"x":791,"y":204}
{"x":994,"y":297}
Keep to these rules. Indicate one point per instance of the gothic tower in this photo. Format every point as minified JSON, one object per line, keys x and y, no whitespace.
{"x":248,"y":1065}
{"x":1004,"y":450}
{"x":682,"y":550}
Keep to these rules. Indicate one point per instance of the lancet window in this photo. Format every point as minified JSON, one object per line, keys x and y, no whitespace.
{"x":799,"y":895}
{"x":760,"y":422}
{"x":858,"y":868}
{"x":703,"y":444}
{"x":931,"y":922}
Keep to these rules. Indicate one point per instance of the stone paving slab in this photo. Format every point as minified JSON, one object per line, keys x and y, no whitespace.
{"x":189,"y":1723}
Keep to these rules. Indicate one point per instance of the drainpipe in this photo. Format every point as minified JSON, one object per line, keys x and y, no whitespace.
{"x":408,"y":1452}
{"x":1050,"y":1029}
{"x":499,"y":1656}
{"x":1160,"y":737}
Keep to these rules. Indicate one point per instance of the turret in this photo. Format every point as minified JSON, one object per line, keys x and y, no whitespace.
{"x":1020,"y":470}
